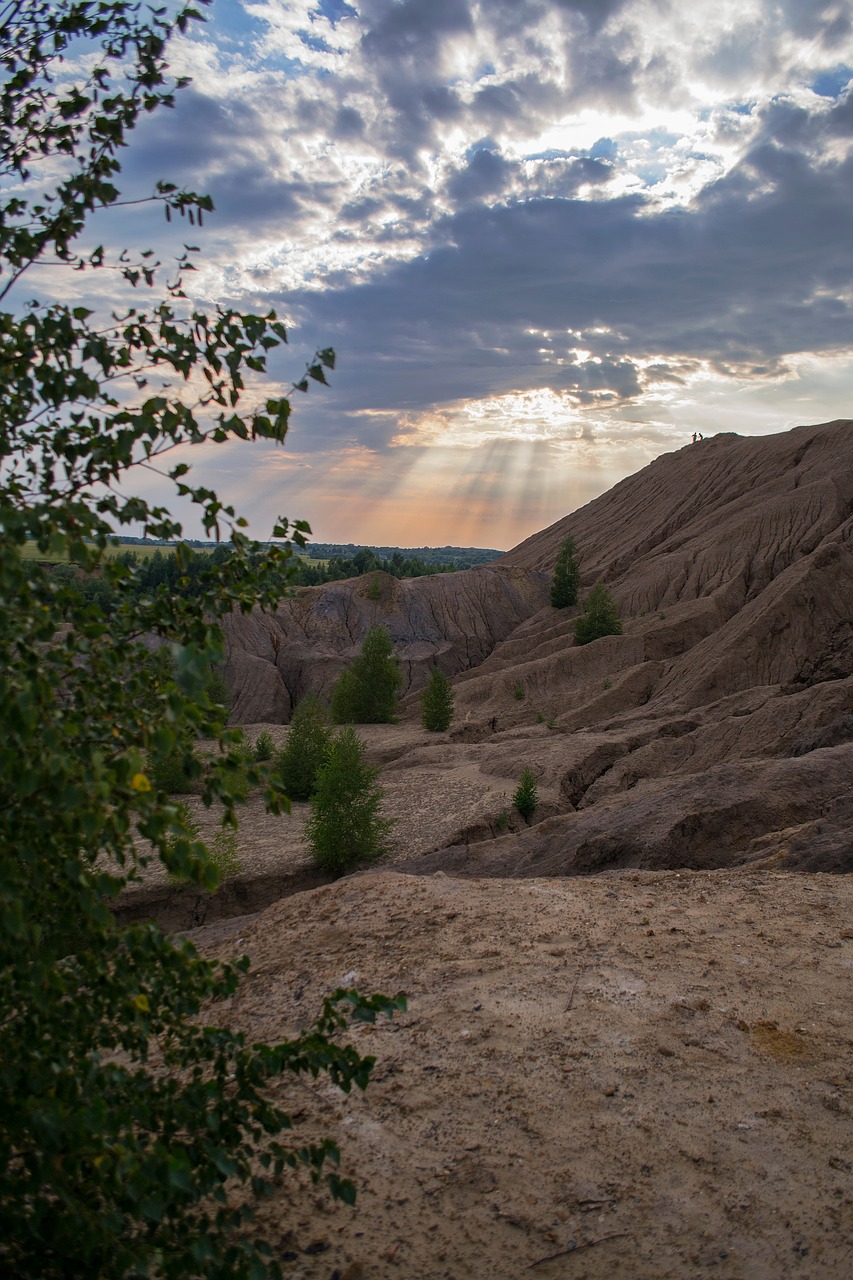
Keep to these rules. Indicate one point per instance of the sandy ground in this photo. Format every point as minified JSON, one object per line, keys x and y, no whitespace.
{"x":638,"y":1075}
{"x":433,"y":791}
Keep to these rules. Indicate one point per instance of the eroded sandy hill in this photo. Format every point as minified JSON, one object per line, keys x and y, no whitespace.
{"x":686,"y":741}
{"x":628,"y":1045}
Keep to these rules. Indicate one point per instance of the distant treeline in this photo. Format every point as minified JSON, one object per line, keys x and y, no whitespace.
{"x":399,"y":564}
{"x":164,"y":570}
{"x":447,"y":558}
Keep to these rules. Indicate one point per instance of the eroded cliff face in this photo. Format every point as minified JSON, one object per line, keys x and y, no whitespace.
{"x":454,"y":620}
{"x":711,"y":732}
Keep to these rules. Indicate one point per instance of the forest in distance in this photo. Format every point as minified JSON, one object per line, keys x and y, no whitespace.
{"x":458,"y":557}
{"x":182,"y":571}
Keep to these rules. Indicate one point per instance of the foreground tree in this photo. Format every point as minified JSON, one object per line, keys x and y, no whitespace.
{"x":599,"y":617}
{"x":437,"y":702}
{"x":567,"y":576}
{"x":367,"y":692}
{"x":108,"y":1166}
{"x":345,"y":826}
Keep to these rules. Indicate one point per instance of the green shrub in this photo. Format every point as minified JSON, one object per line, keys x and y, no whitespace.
{"x":526,"y":795}
{"x":502,"y":821}
{"x":367,"y":692}
{"x":299,"y":760}
{"x":179,"y":772}
{"x":599,"y":617}
{"x":264,"y":748}
{"x":518,"y":691}
{"x":540,"y":719}
{"x":437,"y":702}
{"x":223,"y":853}
{"x":184,"y":843}
{"x":567,"y":577}
{"x":345,"y":826}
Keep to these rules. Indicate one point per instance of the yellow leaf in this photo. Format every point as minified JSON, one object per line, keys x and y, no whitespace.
{"x":141,"y":1002}
{"x":139,"y":782}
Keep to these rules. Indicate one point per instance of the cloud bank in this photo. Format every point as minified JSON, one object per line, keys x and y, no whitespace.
{"x":548,"y":239}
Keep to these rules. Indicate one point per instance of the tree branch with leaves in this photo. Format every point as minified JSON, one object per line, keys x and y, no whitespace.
{"x":108,"y":1166}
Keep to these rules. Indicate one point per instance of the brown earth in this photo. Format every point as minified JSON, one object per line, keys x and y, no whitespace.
{"x":627,"y":1050}
{"x":638,"y":1075}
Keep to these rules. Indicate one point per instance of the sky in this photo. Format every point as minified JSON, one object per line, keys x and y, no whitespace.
{"x":548,"y":240}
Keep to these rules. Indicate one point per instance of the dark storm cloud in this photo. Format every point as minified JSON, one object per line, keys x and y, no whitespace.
{"x":823,"y":20}
{"x":412,"y":30}
{"x":487,"y":173}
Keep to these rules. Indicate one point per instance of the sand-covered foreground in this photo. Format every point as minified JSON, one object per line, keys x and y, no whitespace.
{"x":641,"y":1074}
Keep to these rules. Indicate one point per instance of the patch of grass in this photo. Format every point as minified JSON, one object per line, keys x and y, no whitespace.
{"x":518,"y":692}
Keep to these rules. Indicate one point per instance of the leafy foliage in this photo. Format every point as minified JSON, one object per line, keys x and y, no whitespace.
{"x":222,"y":850}
{"x":567,"y":576}
{"x":345,"y":826}
{"x":526,"y":795}
{"x":125,"y":1119}
{"x":599,"y":616}
{"x":367,"y":692}
{"x":300,"y":759}
{"x":437,"y":702}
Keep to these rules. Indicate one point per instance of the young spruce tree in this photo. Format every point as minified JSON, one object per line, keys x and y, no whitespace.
{"x":437,"y":702}
{"x":368,"y":690}
{"x":567,"y":576}
{"x":345,"y":826}
{"x":599,"y":616}
{"x":526,"y":795}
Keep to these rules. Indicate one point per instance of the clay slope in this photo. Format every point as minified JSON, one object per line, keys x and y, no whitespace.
{"x":452,"y":619}
{"x":671,"y":745}
{"x":717,"y":729}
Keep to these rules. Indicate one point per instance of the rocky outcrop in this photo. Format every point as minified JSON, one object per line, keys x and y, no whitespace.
{"x":453,"y":620}
{"x":728,"y":814}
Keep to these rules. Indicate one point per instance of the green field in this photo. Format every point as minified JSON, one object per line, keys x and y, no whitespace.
{"x":142,"y":549}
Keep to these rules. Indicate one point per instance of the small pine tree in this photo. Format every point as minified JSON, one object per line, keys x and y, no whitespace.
{"x":299,"y":760}
{"x":367,"y":692}
{"x":526,"y":795}
{"x":600,"y":617}
{"x":345,"y":826}
{"x":437,"y":702}
{"x":264,"y":748}
{"x":567,"y":576}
